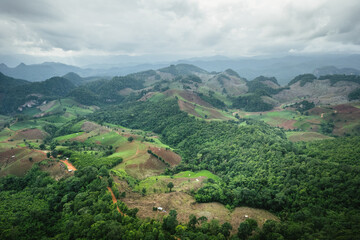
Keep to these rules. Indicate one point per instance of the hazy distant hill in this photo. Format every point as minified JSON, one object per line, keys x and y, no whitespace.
{"x":283,"y":68}
{"x":329,"y":70}
{"x":38,"y":72}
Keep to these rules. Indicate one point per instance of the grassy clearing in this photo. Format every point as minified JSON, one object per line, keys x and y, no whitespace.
{"x":69,"y":136}
{"x":5,"y":134}
{"x":25,"y":124}
{"x":305,"y":136}
{"x":157,"y":97}
{"x":185,"y":205}
{"x":203,"y":173}
{"x":111,"y":138}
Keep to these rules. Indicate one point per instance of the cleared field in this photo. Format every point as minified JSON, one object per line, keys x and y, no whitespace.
{"x":68,"y":137}
{"x":139,"y":163}
{"x":25,"y":124}
{"x":185,"y":205}
{"x":203,"y":173}
{"x":17,"y":161}
{"x":110,"y":138}
{"x":29,"y":134}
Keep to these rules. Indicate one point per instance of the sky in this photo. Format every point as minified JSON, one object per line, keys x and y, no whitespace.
{"x":76,"y":29}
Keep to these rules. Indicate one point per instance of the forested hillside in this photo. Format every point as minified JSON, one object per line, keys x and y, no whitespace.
{"x":311,"y":186}
{"x":173,"y":143}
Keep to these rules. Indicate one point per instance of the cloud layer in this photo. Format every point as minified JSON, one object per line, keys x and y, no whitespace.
{"x":178,"y":27}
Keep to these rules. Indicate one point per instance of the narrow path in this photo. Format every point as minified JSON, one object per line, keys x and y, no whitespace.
{"x":69,"y":165}
{"x":115,"y":200}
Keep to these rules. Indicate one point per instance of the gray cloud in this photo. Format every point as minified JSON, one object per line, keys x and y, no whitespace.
{"x":181,"y":27}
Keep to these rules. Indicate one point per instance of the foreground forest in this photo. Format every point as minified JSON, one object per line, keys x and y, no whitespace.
{"x":143,"y":136}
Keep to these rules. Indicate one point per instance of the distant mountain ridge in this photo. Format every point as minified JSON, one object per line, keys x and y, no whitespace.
{"x":283,"y":68}
{"x":330,"y":70}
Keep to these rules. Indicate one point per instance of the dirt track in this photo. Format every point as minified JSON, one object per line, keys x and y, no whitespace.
{"x":69,"y":165}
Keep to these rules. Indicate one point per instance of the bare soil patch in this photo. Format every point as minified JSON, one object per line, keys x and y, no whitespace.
{"x":170,"y":157}
{"x":185,"y":205}
{"x":30,"y":134}
{"x":56,"y":170}
{"x":17,"y":161}
{"x":70,"y":167}
{"x":188,"y":107}
{"x":346,"y":109}
{"x":288,"y":124}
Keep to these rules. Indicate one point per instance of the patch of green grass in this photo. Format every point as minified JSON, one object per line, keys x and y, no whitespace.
{"x":5,"y":134}
{"x":56,"y":119}
{"x":203,"y":173}
{"x":158,"y":143}
{"x":124,"y":176}
{"x":157,"y":97}
{"x":111,"y":138}
{"x":25,"y":124}
{"x":151,"y":183}
{"x":31,"y":111}
{"x":202,"y":111}
{"x":69,"y":136}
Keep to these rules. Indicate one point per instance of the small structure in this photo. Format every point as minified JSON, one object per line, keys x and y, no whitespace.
{"x":246,"y":216}
{"x":197,"y":180}
{"x":160,"y":208}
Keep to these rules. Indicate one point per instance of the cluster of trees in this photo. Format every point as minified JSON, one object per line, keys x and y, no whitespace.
{"x":214,"y":101}
{"x":258,"y":86}
{"x":251,"y":103}
{"x":303,"y":106}
{"x":105,"y":91}
{"x":354,"y":95}
{"x":303,"y":79}
{"x":20,"y":92}
{"x":80,"y":207}
{"x":313,"y":187}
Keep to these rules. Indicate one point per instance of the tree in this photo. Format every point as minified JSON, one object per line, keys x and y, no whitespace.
{"x":192,"y":221}
{"x":143,"y":191}
{"x":48,"y":154}
{"x":245,"y":229}
{"x":170,"y":222}
{"x":170,"y":185}
{"x":225,"y":229}
{"x":131,"y":138}
{"x":42,"y":146}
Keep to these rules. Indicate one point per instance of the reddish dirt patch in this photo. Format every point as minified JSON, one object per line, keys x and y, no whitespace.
{"x":288,"y":124}
{"x":188,"y":107}
{"x":152,"y":163}
{"x":115,"y":200}
{"x":316,"y":111}
{"x":69,"y":165}
{"x":188,"y":96}
{"x":17,"y":161}
{"x":170,"y":157}
{"x":30,"y":134}
{"x":346,"y":109}
{"x":56,"y":170}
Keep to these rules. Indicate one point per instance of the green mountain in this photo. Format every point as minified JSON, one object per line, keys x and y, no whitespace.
{"x":9,"y":82}
{"x":32,"y":94}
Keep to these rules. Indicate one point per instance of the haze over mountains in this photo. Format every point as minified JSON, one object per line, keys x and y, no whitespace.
{"x":283,"y":68}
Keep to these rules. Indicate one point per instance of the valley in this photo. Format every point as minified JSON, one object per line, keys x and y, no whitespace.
{"x":182,"y":146}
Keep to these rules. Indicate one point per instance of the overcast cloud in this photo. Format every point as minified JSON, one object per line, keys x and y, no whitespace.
{"x":67,"y":28}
